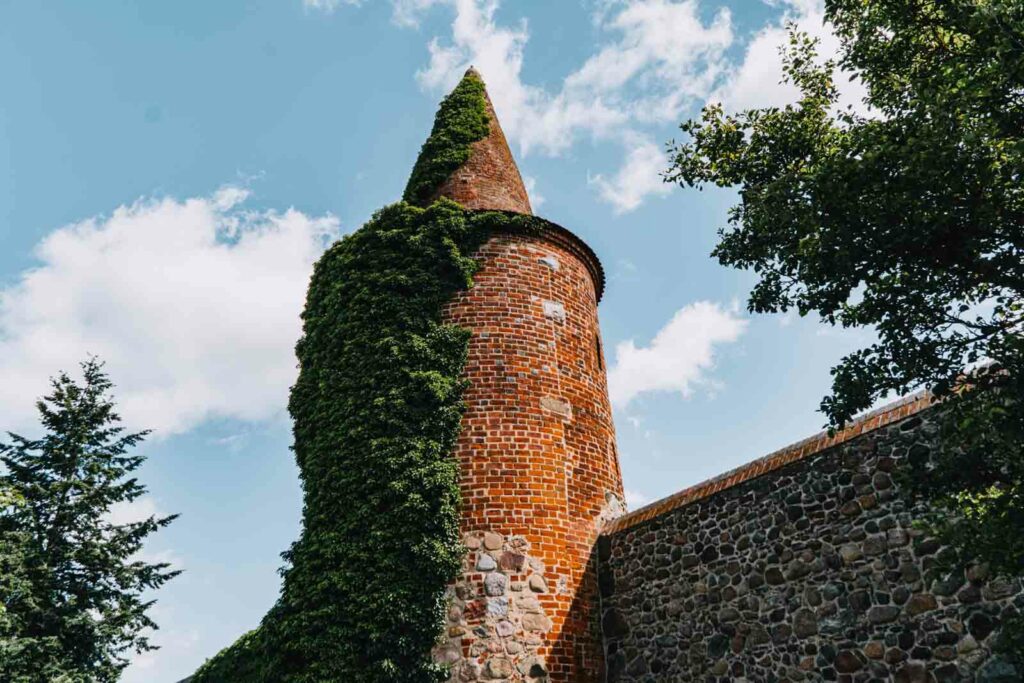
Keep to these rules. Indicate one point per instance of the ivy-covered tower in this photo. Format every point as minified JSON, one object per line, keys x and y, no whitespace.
{"x":538,"y":469}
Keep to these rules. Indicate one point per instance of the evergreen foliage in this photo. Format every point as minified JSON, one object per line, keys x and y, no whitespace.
{"x":909,"y":222}
{"x":72,"y":586}
{"x":24,"y":657}
{"x":461,"y":120}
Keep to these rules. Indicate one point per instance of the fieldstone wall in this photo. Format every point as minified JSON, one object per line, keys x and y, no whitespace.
{"x":811,"y":572}
{"x":496,"y":620}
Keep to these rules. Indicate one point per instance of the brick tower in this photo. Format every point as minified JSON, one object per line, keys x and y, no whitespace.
{"x":539,"y":471}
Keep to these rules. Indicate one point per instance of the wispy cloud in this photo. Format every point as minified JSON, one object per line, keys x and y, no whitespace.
{"x":679,"y":356}
{"x":638,"y":178}
{"x":138,"y":510}
{"x":757,"y":81}
{"x":657,"y":57}
{"x":329,"y":5}
{"x":194,"y":304}
{"x":635,"y":499}
{"x":176,"y":641}
{"x":536,"y":198}
{"x":654,"y":62}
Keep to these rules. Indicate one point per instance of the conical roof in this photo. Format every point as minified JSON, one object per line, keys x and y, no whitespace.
{"x":467,"y":158}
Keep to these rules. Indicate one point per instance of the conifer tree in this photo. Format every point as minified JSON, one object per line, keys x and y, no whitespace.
{"x":73,"y":588}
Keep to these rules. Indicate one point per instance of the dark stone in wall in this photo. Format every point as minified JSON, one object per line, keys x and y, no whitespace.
{"x":812,"y":572}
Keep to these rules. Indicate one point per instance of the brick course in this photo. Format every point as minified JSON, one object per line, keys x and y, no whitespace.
{"x":490,"y":178}
{"x":538,"y":466}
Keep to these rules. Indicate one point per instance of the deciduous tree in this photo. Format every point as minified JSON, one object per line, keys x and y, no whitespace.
{"x":908,"y":220}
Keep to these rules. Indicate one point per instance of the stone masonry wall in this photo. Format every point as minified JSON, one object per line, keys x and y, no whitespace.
{"x":813,"y":571}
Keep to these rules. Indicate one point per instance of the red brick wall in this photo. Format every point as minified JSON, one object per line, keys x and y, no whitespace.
{"x":539,"y":470}
{"x":490,"y":178}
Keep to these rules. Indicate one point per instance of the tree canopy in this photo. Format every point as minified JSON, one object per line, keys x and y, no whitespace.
{"x":905,"y":217}
{"x":75,"y":591}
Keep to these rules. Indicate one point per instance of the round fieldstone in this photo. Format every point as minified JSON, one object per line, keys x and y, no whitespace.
{"x":847,"y":662}
{"x":529,"y":665}
{"x":497,"y":607}
{"x":499,"y":667}
{"x":850,"y":553}
{"x":486,"y":563}
{"x":923,"y":602}
{"x":912,"y":672}
{"x":529,"y":604}
{"x":875,"y":545}
{"x":998,"y":669}
{"x":717,"y":645}
{"x":978,"y":573}
{"x":493,"y":541}
{"x":883,"y":614}
{"x":495,"y":584}
{"x":536,"y":622}
{"x":805,"y":623}
{"x":980,"y":625}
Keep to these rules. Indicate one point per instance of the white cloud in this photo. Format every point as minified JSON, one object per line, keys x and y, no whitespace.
{"x":637,"y":178}
{"x":536,"y":198}
{"x":658,"y":58}
{"x":408,"y":12}
{"x":138,"y":510}
{"x":177,"y":644}
{"x":757,"y":80}
{"x":635,"y":499}
{"x":329,"y":5}
{"x":654,"y":61}
{"x":194,"y":305}
{"x":665,"y":58}
{"x":678,"y":357}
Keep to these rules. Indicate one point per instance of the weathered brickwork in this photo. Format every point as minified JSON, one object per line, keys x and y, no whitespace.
{"x":490,"y":178}
{"x":808,"y":570}
{"x":538,"y":468}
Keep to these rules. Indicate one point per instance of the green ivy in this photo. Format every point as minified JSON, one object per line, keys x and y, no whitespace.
{"x":377,"y":410}
{"x":461,"y":120}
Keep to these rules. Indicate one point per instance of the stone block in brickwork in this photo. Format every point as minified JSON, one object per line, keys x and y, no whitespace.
{"x":555,"y":311}
{"x":550,"y":261}
{"x":556,"y":406}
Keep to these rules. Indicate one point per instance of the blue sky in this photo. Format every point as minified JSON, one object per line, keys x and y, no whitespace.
{"x":171,"y":171}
